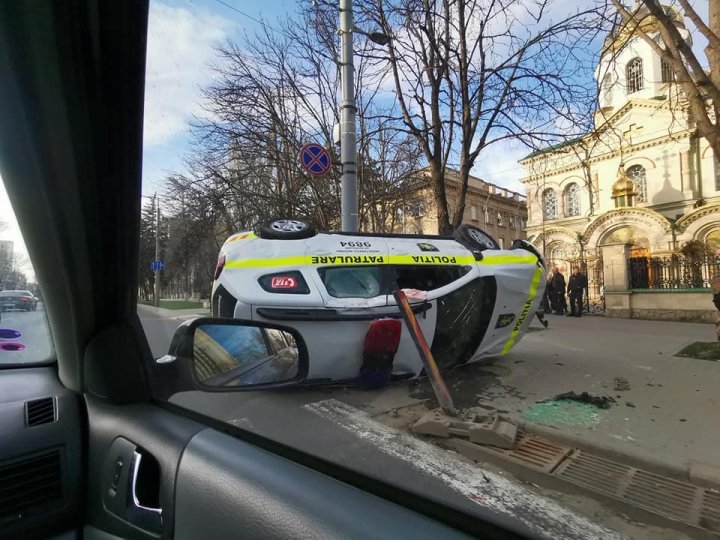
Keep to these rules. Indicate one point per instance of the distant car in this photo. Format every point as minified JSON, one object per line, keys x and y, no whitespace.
{"x":23,"y":300}
{"x":472,"y":299}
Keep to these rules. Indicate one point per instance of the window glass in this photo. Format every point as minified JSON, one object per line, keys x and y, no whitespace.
{"x":637,"y":174}
{"x":667,"y":72}
{"x":352,"y":282}
{"x":427,"y":278}
{"x":24,"y":332}
{"x":236,"y":89}
{"x":572,"y":200}
{"x":634,"y":75}
{"x":549,"y":204}
{"x":470,"y":307}
{"x":607,"y":90}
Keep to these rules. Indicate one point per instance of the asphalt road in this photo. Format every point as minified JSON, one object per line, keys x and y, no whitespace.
{"x":575,"y":354}
{"x":33,"y":341}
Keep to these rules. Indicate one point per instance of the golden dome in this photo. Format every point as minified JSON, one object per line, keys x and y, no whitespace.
{"x":623,"y":185}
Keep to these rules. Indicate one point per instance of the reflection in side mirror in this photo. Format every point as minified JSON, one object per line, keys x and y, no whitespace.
{"x":235,"y":355}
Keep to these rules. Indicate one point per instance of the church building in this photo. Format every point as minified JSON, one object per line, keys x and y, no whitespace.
{"x":643,"y":180}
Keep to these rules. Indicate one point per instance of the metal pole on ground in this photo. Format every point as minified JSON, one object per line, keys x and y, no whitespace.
{"x":348,"y":150}
{"x":157,"y":252}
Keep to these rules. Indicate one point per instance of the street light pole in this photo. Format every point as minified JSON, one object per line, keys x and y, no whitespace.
{"x":348,"y":108}
{"x":156,"y":296}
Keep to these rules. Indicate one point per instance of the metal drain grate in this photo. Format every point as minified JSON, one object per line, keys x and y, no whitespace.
{"x":631,"y":487}
{"x":596,"y":473}
{"x":710,"y":511}
{"x":535,"y":452}
{"x":665,"y":496}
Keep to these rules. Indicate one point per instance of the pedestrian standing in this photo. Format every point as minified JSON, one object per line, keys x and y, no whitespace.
{"x":558,"y":291}
{"x":715,"y":285}
{"x":546,"y":306}
{"x":576,"y":285}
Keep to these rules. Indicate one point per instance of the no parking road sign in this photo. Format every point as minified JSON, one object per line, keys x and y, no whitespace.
{"x":315,"y":159}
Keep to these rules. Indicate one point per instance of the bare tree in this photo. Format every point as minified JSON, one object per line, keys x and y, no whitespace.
{"x":471,"y":73}
{"x":700,"y":87}
{"x":274,"y":92}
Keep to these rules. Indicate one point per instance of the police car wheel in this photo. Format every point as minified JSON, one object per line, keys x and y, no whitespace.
{"x":527,"y":246}
{"x":473,"y":237}
{"x":286,"y":229}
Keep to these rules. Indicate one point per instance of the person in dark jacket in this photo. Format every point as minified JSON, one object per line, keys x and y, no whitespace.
{"x":558,"y":292}
{"x":546,"y":305}
{"x":576,"y":285}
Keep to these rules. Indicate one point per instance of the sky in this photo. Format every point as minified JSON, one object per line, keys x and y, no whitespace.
{"x":181,"y":37}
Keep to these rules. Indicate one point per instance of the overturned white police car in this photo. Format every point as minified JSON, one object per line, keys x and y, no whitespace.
{"x":472,"y":299}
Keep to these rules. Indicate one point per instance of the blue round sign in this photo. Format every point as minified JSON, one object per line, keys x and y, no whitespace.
{"x":315,"y":159}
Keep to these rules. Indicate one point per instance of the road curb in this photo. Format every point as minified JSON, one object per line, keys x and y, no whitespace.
{"x":626,"y":456}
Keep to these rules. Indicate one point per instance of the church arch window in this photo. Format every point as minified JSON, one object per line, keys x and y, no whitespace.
{"x":572,"y":200}
{"x":549,"y":201}
{"x":666,"y":71}
{"x":634,"y":75}
{"x":637,"y":174}
{"x":607,"y":90}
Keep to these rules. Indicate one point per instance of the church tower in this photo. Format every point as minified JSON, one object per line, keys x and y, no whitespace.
{"x":629,"y":67}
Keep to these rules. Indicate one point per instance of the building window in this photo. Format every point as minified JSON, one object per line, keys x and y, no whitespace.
{"x":501,"y":243}
{"x":416,"y":210}
{"x":637,"y":174}
{"x":666,"y":71}
{"x":549,"y":204}
{"x":487,"y":216}
{"x":572,"y":200}
{"x":607,"y":90}
{"x":634,"y":75}
{"x":500,"y":220}
{"x":473,"y":213}
{"x":511,"y":221}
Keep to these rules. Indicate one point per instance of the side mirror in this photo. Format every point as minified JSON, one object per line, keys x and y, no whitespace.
{"x":226,"y":355}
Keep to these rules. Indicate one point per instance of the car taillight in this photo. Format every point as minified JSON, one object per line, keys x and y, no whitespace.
{"x":24,"y":299}
{"x":219,"y":267}
{"x":381,"y":344}
{"x":383,"y":337}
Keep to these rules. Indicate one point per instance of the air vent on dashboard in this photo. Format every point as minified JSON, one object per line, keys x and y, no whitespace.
{"x":40,"y":411}
{"x":30,"y":483}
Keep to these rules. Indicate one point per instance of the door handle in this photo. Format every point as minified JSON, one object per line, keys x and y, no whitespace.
{"x":139,"y":512}
{"x":137,"y":457}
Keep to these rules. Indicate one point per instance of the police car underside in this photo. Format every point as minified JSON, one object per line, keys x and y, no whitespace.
{"x":333,"y":287}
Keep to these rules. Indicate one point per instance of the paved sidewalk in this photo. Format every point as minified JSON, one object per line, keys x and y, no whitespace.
{"x":669,"y":414}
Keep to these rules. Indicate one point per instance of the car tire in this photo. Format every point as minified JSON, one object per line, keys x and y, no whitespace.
{"x":285,"y":229}
{"x":474,"y":238}
{"x":527,"y":246}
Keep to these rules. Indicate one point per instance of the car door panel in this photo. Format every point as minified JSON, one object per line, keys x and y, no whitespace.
{"x":227,"y":488}
{"x":156,"y":432}
{"x":40,"y":453}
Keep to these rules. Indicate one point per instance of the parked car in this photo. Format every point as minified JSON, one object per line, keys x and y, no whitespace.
{"x":23,"y":300}
{"x":472,"y":299}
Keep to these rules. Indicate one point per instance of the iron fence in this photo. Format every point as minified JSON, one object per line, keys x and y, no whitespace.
{"x":674,"y":272}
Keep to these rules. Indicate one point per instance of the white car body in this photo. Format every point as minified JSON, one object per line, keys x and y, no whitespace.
{"x":334,"y":328}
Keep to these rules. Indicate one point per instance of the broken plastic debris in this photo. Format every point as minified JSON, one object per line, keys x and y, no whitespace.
{"x":602,"y":402}
{"x":621,"y":383}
